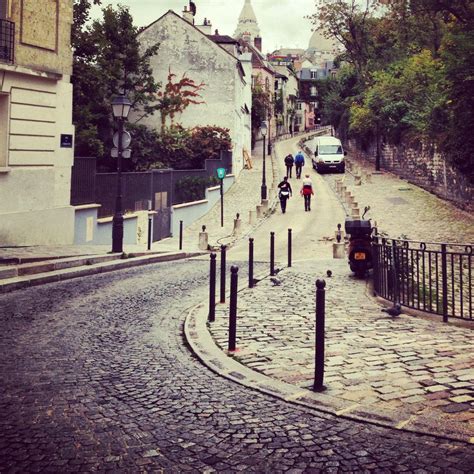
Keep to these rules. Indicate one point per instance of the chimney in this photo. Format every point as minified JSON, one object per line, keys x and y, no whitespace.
{"x":258,"y":43}
{"x":206,"y":27}
{"x":188,"y":15}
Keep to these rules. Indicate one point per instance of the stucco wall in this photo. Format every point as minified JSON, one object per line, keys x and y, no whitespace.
{"x":43,"y":32}
{"x":423,"y":166}
{"x":36,"y":96}
{"x":185,"y":50}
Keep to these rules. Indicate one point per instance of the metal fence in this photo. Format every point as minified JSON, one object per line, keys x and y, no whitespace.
{"x":431,"y":277}
{"x":7,"y":41}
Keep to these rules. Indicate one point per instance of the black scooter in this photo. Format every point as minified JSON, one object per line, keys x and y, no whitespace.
{"x":360,"y":244}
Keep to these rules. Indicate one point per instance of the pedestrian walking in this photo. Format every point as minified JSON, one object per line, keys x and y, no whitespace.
{"x":299,"y":163}
{"x":307,"y":192}
{"x":284,"y":193}
{"x":289,"y":162}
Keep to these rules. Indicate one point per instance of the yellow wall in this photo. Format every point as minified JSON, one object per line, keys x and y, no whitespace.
{"x":42,"y":34}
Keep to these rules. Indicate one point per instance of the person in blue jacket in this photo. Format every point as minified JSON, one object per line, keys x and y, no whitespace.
{"x":299,"y":163}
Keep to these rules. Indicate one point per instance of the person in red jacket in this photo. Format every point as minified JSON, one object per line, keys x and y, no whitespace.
{"x":307,"y":192}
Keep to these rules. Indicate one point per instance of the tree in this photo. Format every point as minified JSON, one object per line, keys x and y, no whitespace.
{"x":261,"y":107}
{"x":206,"y":143}
{"x":107,"y":61}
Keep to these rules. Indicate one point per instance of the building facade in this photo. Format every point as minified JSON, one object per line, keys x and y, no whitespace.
{"x":36,"y":131}
{"x":188,"y":49}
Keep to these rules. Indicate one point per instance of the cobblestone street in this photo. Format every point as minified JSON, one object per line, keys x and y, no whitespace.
{"x":95,"y":376}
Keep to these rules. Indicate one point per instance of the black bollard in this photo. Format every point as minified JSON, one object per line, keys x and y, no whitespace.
{"x":251,"y":262}
{"x":234,"y":278}
{"x":180,"y":235}
{"x":272,"y":253}
{"x":289,"y":248}
{"x":319,"y":355}
{"x":338,"y":238}
{"x":150,"y":226}
{"x":212,"y":290}
{"x":223,"y":264}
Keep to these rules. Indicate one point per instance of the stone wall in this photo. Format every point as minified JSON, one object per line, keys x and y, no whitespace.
{"x":423,"y":166}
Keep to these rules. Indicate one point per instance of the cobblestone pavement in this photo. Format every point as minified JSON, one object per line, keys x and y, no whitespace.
{"x":403,"y":210}
{"x":95,"y":376}
{"x":408,"y":372}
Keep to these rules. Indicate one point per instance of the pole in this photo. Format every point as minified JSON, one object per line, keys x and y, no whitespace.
{"x":223,"y":264}
{"x":264,"y":183}
{"x":290,"y":243}
{"x":222,"y":203}
{"x":319,"y":355}
{"x":117,"y":223}
{"x":377,"y":151}
{"x":272,"y":253}
{"x":212,"y":289}
{"x":150,"y":222}
{"x":234,"y":277}
{"x":444,"y":276}
{"x":251,"y":262}
{"x":180,"y":235}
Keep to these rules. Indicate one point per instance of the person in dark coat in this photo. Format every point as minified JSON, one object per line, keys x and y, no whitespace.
{"x":299,"y":163}
{"x":284,"y":193}
{"x":289,"y":162}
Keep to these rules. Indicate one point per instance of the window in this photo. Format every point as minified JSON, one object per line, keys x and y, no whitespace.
{"x":313,"y":91}
{"x":298,"y":121}
{"x":298,"y":106}
{"x":4,"y":119}
{"x":314,"y":74}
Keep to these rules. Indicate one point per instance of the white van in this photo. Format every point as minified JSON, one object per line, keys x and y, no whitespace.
{"x":328,"y":154}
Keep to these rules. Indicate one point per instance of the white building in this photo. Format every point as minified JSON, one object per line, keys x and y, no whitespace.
{"x":186,"y":49}
{"x":36,"y":131}
{"x":247,"y":26}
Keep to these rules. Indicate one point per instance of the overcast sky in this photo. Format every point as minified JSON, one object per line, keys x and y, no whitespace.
{"x":281,"y":22}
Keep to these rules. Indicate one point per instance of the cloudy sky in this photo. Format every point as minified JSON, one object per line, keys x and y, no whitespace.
{"x":281,"y":22}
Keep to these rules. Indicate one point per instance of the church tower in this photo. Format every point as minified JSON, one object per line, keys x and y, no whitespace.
{"x":247,"y":27}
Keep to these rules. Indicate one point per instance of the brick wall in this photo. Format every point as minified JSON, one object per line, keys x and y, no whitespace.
{"x":423,"y":166}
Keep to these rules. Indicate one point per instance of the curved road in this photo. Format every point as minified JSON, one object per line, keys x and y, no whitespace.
{"x":95,"y":375}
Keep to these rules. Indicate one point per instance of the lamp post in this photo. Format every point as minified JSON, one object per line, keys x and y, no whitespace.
{"x":263,"y":131}
{"x":121,"y":107}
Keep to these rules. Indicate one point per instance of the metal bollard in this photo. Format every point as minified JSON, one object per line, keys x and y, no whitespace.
{"x":223,"y":264}
{"x":251,"y":262}
{"x":234,"y":278}
{"x":180,"y":235}
{"x":272,"y":253}
{"x":339,"y":236}
{"x":319,"y":355}
{"x":150,"y":226}
{"x":289,"y":247}
{"x":212,"y":290}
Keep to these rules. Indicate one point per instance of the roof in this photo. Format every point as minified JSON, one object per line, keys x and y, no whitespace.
{"x":225,"y":39}
{"x":327,"y":140}
{"x":305,"y":74}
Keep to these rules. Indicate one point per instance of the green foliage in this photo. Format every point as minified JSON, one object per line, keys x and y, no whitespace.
{"x":107,"y":61}
{"x":180,"y":148}
{"x":206,"y":143}
{"x":261,"y":106}
{"x":192,"y":188}
{"x":408,"y":75}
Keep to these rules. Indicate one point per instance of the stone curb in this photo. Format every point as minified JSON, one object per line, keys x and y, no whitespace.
{"x":226,"y":365}
{"x":18,"y":283}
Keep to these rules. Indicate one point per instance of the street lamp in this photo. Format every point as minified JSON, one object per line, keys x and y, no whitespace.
{"x":263,"y":131}
{"x":121,"y":107}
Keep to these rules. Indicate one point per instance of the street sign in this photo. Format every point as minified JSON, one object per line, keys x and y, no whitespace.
{"x":221,"y":173}
{"x":126,"y":139}
{"x":127,"y":153}
{"x":66,"y":140}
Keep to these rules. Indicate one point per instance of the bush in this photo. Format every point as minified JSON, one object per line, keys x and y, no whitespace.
{"x":193,"y":188}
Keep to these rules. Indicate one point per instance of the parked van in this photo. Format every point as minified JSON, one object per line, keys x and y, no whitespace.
{"x":328,"y":154}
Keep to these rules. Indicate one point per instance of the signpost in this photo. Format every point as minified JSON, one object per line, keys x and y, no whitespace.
{"x":221,"y":176}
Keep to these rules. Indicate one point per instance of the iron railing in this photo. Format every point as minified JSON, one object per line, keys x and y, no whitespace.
{"x":7,"y":41}
{"x":431,"y":277}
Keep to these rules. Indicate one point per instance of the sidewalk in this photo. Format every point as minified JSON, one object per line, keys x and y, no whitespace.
{"x":407,"y":372}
